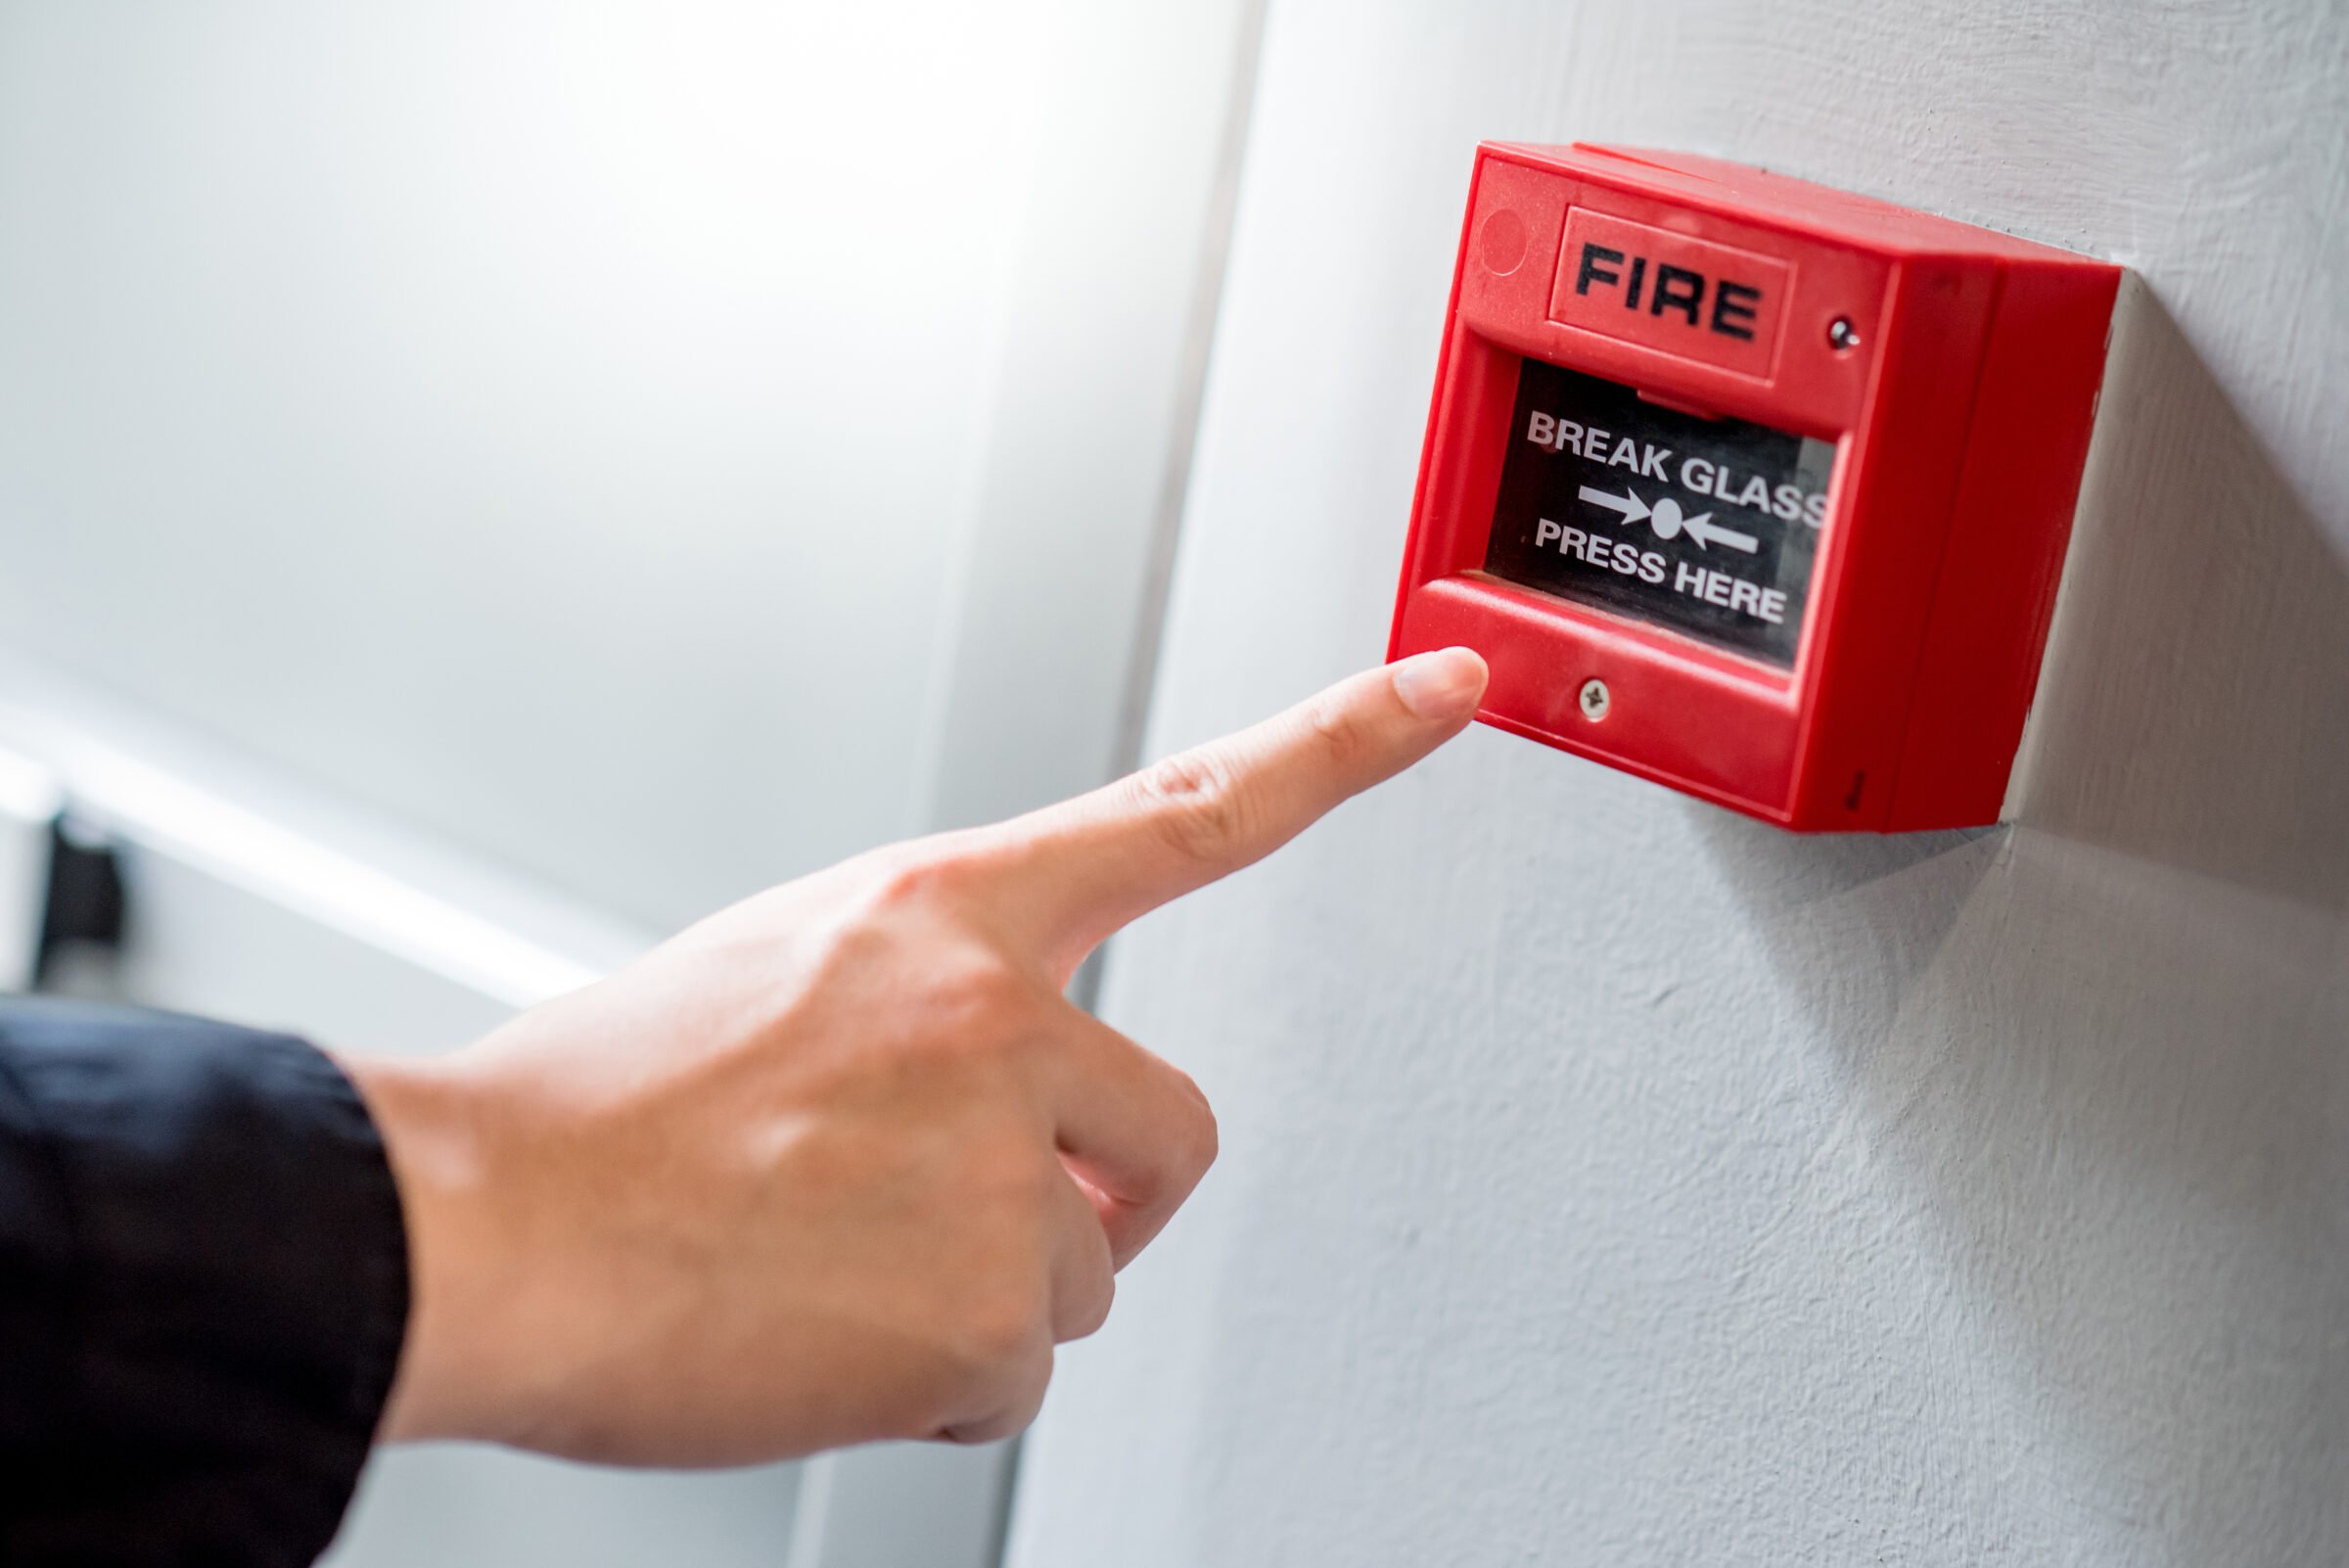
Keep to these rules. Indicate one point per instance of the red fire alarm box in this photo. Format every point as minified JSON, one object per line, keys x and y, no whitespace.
{"x":1752,"y":487}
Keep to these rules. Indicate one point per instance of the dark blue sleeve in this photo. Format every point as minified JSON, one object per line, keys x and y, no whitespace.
{"x":204,"y":1283}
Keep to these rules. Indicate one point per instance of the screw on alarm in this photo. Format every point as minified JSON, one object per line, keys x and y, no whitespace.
{"x":1842,"y":335}
{"x":1595,"y":700}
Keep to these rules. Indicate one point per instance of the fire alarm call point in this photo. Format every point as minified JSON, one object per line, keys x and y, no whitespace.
{"x":1752,"y":487}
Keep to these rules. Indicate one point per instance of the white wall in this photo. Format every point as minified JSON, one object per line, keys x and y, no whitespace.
{"x":600,"y":433}
{"x":1611,"y":1179}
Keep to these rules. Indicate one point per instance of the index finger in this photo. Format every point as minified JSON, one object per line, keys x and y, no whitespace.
{"x":1080,"y":870}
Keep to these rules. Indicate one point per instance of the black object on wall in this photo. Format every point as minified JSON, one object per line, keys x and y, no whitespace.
{"x":85,"y":894}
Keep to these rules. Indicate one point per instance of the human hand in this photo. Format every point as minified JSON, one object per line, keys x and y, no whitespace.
{"x":842,"y":1163}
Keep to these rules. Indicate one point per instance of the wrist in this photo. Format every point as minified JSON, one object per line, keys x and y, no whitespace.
{"x":428,"y":1114}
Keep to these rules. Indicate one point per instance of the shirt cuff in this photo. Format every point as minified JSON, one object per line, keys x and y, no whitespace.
{"x":204,"y":1286}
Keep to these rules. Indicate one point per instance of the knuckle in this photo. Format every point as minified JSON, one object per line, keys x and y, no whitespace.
{"x":998,"y":1324}
{"x":1004,"y":1308}
{"x":904,"y":930}
{"x":1191,"y":1138}
{"x":1084,"y":1315}
{"x":980,"y":986}
{"x":925,"y":873}
{"x":1204,"y":808}
{"x":1013,"y":1405}
{"x":990,"y":1008}
{"x":1338,"y":731}
{"x":1204,"y":1141}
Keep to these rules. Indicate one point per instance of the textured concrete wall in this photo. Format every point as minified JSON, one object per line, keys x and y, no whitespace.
{"x":1610,"y":1179}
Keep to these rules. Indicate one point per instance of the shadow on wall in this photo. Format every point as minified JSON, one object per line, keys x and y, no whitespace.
{"x":2194,"y":706}
{"x":2102,"y":1056}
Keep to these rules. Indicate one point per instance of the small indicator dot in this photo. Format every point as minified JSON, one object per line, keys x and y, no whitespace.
{"x":1595,"y":700}
{"x":1842,"y":335}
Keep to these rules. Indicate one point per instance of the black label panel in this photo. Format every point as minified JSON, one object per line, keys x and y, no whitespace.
{"x":1706,"y":525}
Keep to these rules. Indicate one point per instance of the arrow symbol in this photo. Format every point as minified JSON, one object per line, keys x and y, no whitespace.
{"x":1701,"y":529}
{"x":1666,"y":519}
{"x":1630,"y":505}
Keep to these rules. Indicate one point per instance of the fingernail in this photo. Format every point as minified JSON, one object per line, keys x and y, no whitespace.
{"x":1444,"y":684}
